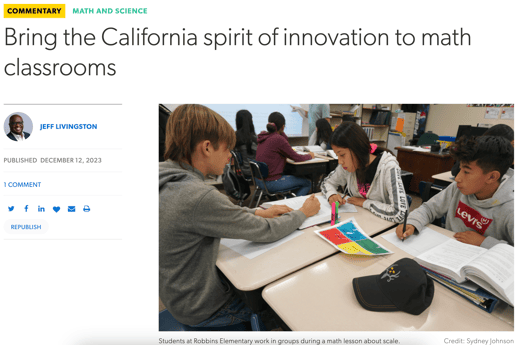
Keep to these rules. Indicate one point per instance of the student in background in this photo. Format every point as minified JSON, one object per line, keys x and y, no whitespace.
{"x":500,"y":130}
{"x":316,"y":112}
{"x":273,"y":150}
{"x":370,"y":174}
{"x":246,"y":139}
{"x":324,"y":134}
{"x":479,"y":206}
{"x":193,"y":217}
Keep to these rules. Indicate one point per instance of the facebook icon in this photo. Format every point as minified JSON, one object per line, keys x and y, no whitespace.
{"x":26,"y":207}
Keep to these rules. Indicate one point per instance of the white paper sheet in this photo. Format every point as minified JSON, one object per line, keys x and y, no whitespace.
{"x":492,"y":113}
{"x":508,"y":114}
{"x":253,"y":249}
{"x":322,"y":216}
{"x":417,"y":244}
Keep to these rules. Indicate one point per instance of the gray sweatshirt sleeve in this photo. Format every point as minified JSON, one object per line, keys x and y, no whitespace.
{"x":331,"y":183}
{"x":434,"y":208}
{"x":396,"y":209}
{"x":216,"y":216}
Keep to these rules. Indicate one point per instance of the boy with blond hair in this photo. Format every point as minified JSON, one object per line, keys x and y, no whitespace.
{"x":194,"y":216}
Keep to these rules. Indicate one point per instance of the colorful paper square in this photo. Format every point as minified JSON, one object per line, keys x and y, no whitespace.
{"x":335,"y":236}
{"x":371,"y":246}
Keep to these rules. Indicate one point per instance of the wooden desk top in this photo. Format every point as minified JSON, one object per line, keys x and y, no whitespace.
{"x":431,"y":154}
{"x":445,"y":176}
{"x":250,"y":274}
{"x":321,"y":298}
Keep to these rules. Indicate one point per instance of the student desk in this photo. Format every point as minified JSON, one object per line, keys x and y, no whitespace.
{"x":423,"y":165}
{"x":443,"y":179}
{"x":321,"y":298}
{"x":332,"y":163}
{"x":314,"y":169}
{"x":250,"y":276}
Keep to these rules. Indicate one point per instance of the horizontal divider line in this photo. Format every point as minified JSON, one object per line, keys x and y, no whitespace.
{"x":20,"y":172}
{"x":63,"y":103}
{"x":61,"y":148}
{"x":63,"y":239}
{"x":60,"y":195}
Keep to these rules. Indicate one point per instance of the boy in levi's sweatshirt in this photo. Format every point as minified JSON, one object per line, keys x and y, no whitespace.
{"x":479,"y":204}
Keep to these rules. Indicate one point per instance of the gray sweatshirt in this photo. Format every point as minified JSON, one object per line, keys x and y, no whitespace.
{"x":193,"y":217}
{"x":386,"y":197}
{"x":493,"y":217}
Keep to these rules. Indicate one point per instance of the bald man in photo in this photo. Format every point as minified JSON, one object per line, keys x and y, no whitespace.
{"x":16,"y":126}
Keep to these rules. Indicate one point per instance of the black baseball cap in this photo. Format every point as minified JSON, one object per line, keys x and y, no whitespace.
{"x":403,"y":286}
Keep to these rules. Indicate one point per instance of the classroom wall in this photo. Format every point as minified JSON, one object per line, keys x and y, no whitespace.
{"x":444,"y":119}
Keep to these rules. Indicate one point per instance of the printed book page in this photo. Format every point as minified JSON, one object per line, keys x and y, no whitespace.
{"x":450,"y":257}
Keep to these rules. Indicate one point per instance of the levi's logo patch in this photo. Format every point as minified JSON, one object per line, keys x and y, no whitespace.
{"x":472,"y":218}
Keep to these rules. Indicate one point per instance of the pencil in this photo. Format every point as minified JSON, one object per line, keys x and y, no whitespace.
{"x":404,"y":224}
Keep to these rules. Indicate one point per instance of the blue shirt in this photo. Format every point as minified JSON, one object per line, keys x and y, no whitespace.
{"x":316,"y":112}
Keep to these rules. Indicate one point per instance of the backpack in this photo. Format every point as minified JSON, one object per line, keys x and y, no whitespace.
{"x":235,"y":185}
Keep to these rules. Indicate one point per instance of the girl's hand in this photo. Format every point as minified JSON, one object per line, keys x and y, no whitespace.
{"x":356,"y":201}
{"x":337,"y":198}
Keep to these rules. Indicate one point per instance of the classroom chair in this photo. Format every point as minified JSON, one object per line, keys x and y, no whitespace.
{"x":238,"y":164}
{"x":260,"y":171}
{"x":168,"y":323}
{"x":428,"y":190}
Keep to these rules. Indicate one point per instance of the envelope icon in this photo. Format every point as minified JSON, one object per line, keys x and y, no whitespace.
{"x":72,"y":208}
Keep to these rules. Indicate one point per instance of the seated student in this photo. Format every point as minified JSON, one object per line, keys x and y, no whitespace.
{"x":246,"y":139}
{"x":500,"y":130}
{"x":273,"y":150}
{"x":193,"y":217}
{"x":479,"y":206}
{"x":324,"y":134}
{"x":371,"y":175}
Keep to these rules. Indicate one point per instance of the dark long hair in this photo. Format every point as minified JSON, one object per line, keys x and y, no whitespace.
{"x":324,"y":131}
{"x":349,"y":135}
{"x":245,"y":129}
{"x":501,"y":130}
{"x":278,"y":120}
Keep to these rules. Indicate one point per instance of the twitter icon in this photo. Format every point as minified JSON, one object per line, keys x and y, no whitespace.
{"x":10,"y":208}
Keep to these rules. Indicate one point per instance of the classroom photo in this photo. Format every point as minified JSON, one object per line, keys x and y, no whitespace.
{"x":336,"y":217}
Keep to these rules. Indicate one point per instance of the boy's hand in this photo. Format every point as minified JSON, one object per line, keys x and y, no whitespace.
{"x":410,"y":229}
{"x":356,"y":201}
{"x":312,"y":154}
{"x":470,"y":237}
{"x":311,"y":206}
{"x":337,"y":198}
{"x":273,"y":211}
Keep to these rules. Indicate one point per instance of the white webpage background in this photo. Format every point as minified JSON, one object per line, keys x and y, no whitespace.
{"x":85,"y":291}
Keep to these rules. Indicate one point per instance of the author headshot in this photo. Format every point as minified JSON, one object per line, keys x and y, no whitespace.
{"x":18,"y":129}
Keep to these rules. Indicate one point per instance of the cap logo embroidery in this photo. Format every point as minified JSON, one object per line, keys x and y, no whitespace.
{"x":390,"y":273}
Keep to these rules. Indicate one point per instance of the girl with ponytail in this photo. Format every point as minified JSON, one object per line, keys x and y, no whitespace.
{"x":274,"y":149}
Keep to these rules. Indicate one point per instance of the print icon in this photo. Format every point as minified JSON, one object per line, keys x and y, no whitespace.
{"x":56,"y":209}
{"x":11,"y":208}
{"x":86,"y":208}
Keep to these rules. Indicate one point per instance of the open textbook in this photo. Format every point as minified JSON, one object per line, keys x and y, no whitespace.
{"x":322,"y":216}
{"x":492,"y":269}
